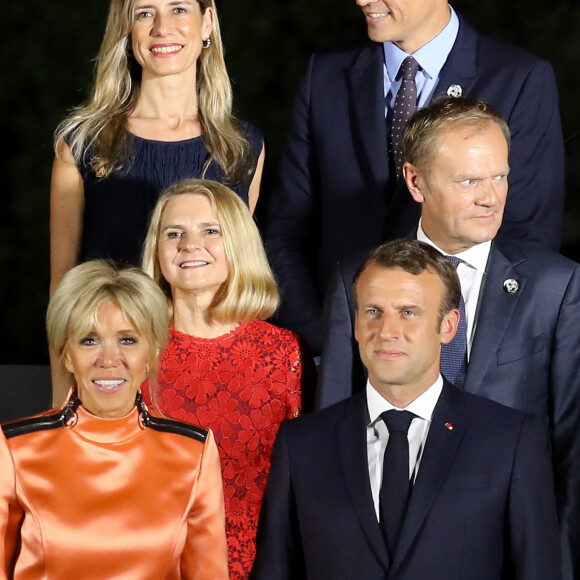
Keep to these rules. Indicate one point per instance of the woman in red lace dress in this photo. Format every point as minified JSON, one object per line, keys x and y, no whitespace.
{"x":224,"y":367}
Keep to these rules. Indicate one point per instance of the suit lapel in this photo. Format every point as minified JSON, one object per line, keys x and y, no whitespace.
{"x":460,"y":68}
{"x":496,"y":312}
{"x":352,"y":448}
{"x":366,"y":87}
{"x":438,"y":456}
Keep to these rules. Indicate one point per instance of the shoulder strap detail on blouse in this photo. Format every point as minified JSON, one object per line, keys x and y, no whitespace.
{"x":176,"y":427}
{"x":167,"y":425}
{"x":61,"y":418}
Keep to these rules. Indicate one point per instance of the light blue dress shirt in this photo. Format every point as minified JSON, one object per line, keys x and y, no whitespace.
{"x":431,"y":58}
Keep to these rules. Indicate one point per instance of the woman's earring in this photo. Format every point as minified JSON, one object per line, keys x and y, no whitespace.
{"x":206,"y":43}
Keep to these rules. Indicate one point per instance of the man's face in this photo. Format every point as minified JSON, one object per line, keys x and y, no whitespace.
{"x":410,"y":24}
{"x":463,"y":190}
{"x":398,"y":331}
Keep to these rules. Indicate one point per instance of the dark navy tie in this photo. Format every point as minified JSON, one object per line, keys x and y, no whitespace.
{"x":395,"y":486}
{"x":405,"y":106}
{"x":454,"y":354}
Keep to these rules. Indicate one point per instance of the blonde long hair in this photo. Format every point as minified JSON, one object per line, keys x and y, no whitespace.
{"x":99,"y":124}
{"x":250,"y":291}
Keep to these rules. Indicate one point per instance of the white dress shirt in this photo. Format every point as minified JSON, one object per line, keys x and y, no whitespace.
{"x":471,"y":274}
{"x":378,"y":434}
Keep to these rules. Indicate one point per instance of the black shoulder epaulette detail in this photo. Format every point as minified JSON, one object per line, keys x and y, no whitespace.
{"x":44,"y":423}
{"x":65,"y":416}
{"x":169,"y":426}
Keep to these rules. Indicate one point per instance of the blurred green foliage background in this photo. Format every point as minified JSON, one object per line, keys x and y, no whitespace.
{"x":47,"y":66}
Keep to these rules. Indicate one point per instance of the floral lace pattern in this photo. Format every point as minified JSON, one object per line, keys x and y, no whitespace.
{"x":242,"y":386}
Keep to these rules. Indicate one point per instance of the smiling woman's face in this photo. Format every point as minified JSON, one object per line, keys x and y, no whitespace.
{"x":191,"y":250}
{"x":167,"y":35}
{"x":109,"y":364}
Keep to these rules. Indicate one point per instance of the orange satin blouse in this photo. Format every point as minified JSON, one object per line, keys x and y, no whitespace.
{"x":110,"y":499}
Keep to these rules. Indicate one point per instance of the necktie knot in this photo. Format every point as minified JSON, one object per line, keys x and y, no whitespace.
{"x":455,"y":260}
{"x":397,"y":421}
{"x":409,"y":68}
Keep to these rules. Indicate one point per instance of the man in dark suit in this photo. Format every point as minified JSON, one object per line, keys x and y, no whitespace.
{"x":479,"y":499}
{"x":338,"y":194}
{"x":522,"y":300}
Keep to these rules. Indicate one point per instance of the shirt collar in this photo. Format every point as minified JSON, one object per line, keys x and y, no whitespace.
{"x":422,"y":406}
{"x":476,"y":256}
{"x":431,"y":57}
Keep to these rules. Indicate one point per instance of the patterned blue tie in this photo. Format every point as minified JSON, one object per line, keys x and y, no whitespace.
{"x":454,"y":354}
{"x":405,"y":106}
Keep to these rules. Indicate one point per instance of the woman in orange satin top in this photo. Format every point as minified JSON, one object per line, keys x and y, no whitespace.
{"x":103,"y":488}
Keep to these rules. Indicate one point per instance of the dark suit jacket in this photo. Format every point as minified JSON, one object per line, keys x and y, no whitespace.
{"x":482,"y":506}
{"x":525,"y":353}
{"x":336,"y":194}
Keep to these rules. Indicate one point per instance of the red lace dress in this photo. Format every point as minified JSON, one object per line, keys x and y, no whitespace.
{"x":241,"y":385}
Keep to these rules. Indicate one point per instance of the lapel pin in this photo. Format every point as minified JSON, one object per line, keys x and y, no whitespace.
{"x":100,"y":172}
{"x":449,"y":426}
{"x":511,"y":286}
{"x":454,"y":91}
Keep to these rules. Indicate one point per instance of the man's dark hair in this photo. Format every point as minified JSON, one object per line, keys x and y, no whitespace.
{"x":415,"y":257}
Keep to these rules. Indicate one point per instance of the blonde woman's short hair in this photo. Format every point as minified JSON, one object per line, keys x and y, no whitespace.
{"x":73,"y":307}
{"x":250,"y":292}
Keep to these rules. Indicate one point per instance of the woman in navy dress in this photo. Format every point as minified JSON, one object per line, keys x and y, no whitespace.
{"x":160,"y":111}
